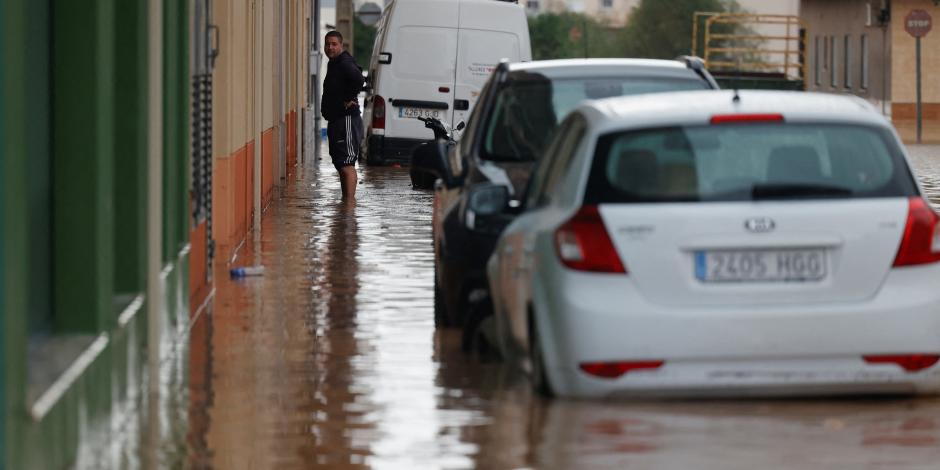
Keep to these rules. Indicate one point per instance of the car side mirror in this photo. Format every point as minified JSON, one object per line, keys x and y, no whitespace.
{"x":431,"y":157}
{"x":487,"y":208}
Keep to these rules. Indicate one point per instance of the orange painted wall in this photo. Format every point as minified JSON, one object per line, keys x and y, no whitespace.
{"x":233,"y":187}
{"x":243,"y":204}
{"x":267,"y":165}
{"x":291,"y":120}
{"x":198,"y":281}
{"x":233,"y":192}
{"x":909,"y":111}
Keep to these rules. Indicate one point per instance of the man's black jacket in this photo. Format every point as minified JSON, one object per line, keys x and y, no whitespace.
{"x":343,"y":83}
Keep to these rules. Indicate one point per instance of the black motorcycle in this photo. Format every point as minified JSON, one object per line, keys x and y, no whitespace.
{"x":442,"y":142}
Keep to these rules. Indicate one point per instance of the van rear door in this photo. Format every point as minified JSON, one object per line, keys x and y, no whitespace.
{"x":489,"y":32}
{"x":478,"y":54}
{"x":423,"y":84}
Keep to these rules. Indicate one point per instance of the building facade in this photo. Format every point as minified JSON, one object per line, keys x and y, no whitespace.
{"x":849,"y":48}
{"x":862,"y":47}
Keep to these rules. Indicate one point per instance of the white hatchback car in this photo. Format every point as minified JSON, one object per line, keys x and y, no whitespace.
{"x":722,"y":243}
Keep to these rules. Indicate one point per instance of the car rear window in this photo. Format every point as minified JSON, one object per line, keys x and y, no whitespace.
{"x":528,"y":110}
{"x":748,"y":161}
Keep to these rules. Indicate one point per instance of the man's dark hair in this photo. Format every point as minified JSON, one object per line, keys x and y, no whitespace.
{"x":335,"y":34}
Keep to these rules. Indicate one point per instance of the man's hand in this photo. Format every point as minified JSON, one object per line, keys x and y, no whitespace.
{"x":350,"y":104}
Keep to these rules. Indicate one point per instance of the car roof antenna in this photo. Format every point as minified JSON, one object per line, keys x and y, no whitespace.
{"x":737,"y":98}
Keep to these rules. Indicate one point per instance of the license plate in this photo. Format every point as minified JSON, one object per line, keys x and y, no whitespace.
{"x":802,"y":265}
{"x":419,"y":112}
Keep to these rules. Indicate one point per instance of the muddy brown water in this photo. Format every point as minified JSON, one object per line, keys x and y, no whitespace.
{"x":331,"y":360}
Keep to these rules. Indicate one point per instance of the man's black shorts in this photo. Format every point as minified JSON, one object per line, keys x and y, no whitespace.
{"x":344,"y":135}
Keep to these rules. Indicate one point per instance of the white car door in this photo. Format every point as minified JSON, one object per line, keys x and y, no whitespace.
{"x":516,"y":266}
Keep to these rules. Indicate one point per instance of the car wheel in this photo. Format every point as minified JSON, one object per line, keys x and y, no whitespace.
{"x":473,"y":340}
{"x":421,"y":179}
{"x":540,"y":382}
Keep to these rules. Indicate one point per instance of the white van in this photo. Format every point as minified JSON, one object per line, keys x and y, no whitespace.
{"x":431,"y":58}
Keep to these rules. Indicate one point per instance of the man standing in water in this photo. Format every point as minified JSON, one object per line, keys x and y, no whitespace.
{"x":340,"y":107}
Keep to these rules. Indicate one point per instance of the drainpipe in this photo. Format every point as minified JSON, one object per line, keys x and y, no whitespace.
{"x":279,"y":99}
{"x":315,"y":78}
{"x":299,"y":73}
{"x":154,"y":226}
{"x":259,"y":112}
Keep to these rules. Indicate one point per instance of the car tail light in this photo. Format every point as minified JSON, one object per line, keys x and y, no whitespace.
{"x":736,"y":118}
{"x":612,"y":370}
{"x":908,"y":362}
{"x":921,"y":241}
{"x":378,"y":112}
{"x":582,"y":243}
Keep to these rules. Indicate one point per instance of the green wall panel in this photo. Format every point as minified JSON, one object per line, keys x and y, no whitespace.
{"x":183,"y":126}
{"x":171,"y":134}
{"x":14,"y":273}
{"x":83,"y":76}
{"x":39,"y":175}
{"x":130,"y":146}
{"x":176,"y":127}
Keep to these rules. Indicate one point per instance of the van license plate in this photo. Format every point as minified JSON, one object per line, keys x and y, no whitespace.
{"x":804,"y":265}
{"x":419,"y":112}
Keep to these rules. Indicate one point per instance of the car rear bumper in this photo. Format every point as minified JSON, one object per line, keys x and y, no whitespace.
{"x":382,"y":150}
{"x":764,"y":350}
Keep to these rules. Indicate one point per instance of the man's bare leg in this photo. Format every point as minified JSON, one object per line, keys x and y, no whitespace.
{"x":342,"y":182}
{"x":347,"y":178}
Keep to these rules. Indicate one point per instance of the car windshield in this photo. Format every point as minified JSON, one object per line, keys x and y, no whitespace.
{"x":527,"y":110}
{"x":729,"y":162}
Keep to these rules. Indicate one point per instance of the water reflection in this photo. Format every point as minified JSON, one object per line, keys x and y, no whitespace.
{"x":338,"y":407}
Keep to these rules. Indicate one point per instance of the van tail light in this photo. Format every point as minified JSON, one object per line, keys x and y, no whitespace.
{"x":378,"y":112}
{"x":612,"y":370}
{"x":908,"y":362}
{"x":921,"y":241}
{"x":582,"y":243}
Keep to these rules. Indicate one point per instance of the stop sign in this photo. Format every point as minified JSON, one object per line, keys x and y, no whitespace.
{"x":917,"y":23}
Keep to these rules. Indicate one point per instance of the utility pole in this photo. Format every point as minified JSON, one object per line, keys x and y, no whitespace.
{"x":344,"y":22}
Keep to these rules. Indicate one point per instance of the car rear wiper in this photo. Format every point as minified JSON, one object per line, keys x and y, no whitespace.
{"x":796,"y":190}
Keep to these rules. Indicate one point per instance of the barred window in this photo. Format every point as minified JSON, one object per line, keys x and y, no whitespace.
{"x":864,"y":61}
{"x":847,"y":58}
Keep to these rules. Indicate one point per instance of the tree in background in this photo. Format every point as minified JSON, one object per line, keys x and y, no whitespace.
{"x":364,"y":37}
{"x":571,"y":35}
{"x":663,"y":30}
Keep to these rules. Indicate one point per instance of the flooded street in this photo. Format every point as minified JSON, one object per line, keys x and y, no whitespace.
{"x":331,"y":359}
{"x":926,"y":160}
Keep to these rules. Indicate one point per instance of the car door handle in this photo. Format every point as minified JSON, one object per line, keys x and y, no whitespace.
{"x":461,"y":105}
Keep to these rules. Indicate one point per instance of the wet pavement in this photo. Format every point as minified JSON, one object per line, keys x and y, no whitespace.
{"x":331,"y":360}
{"x":926,"y":161}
